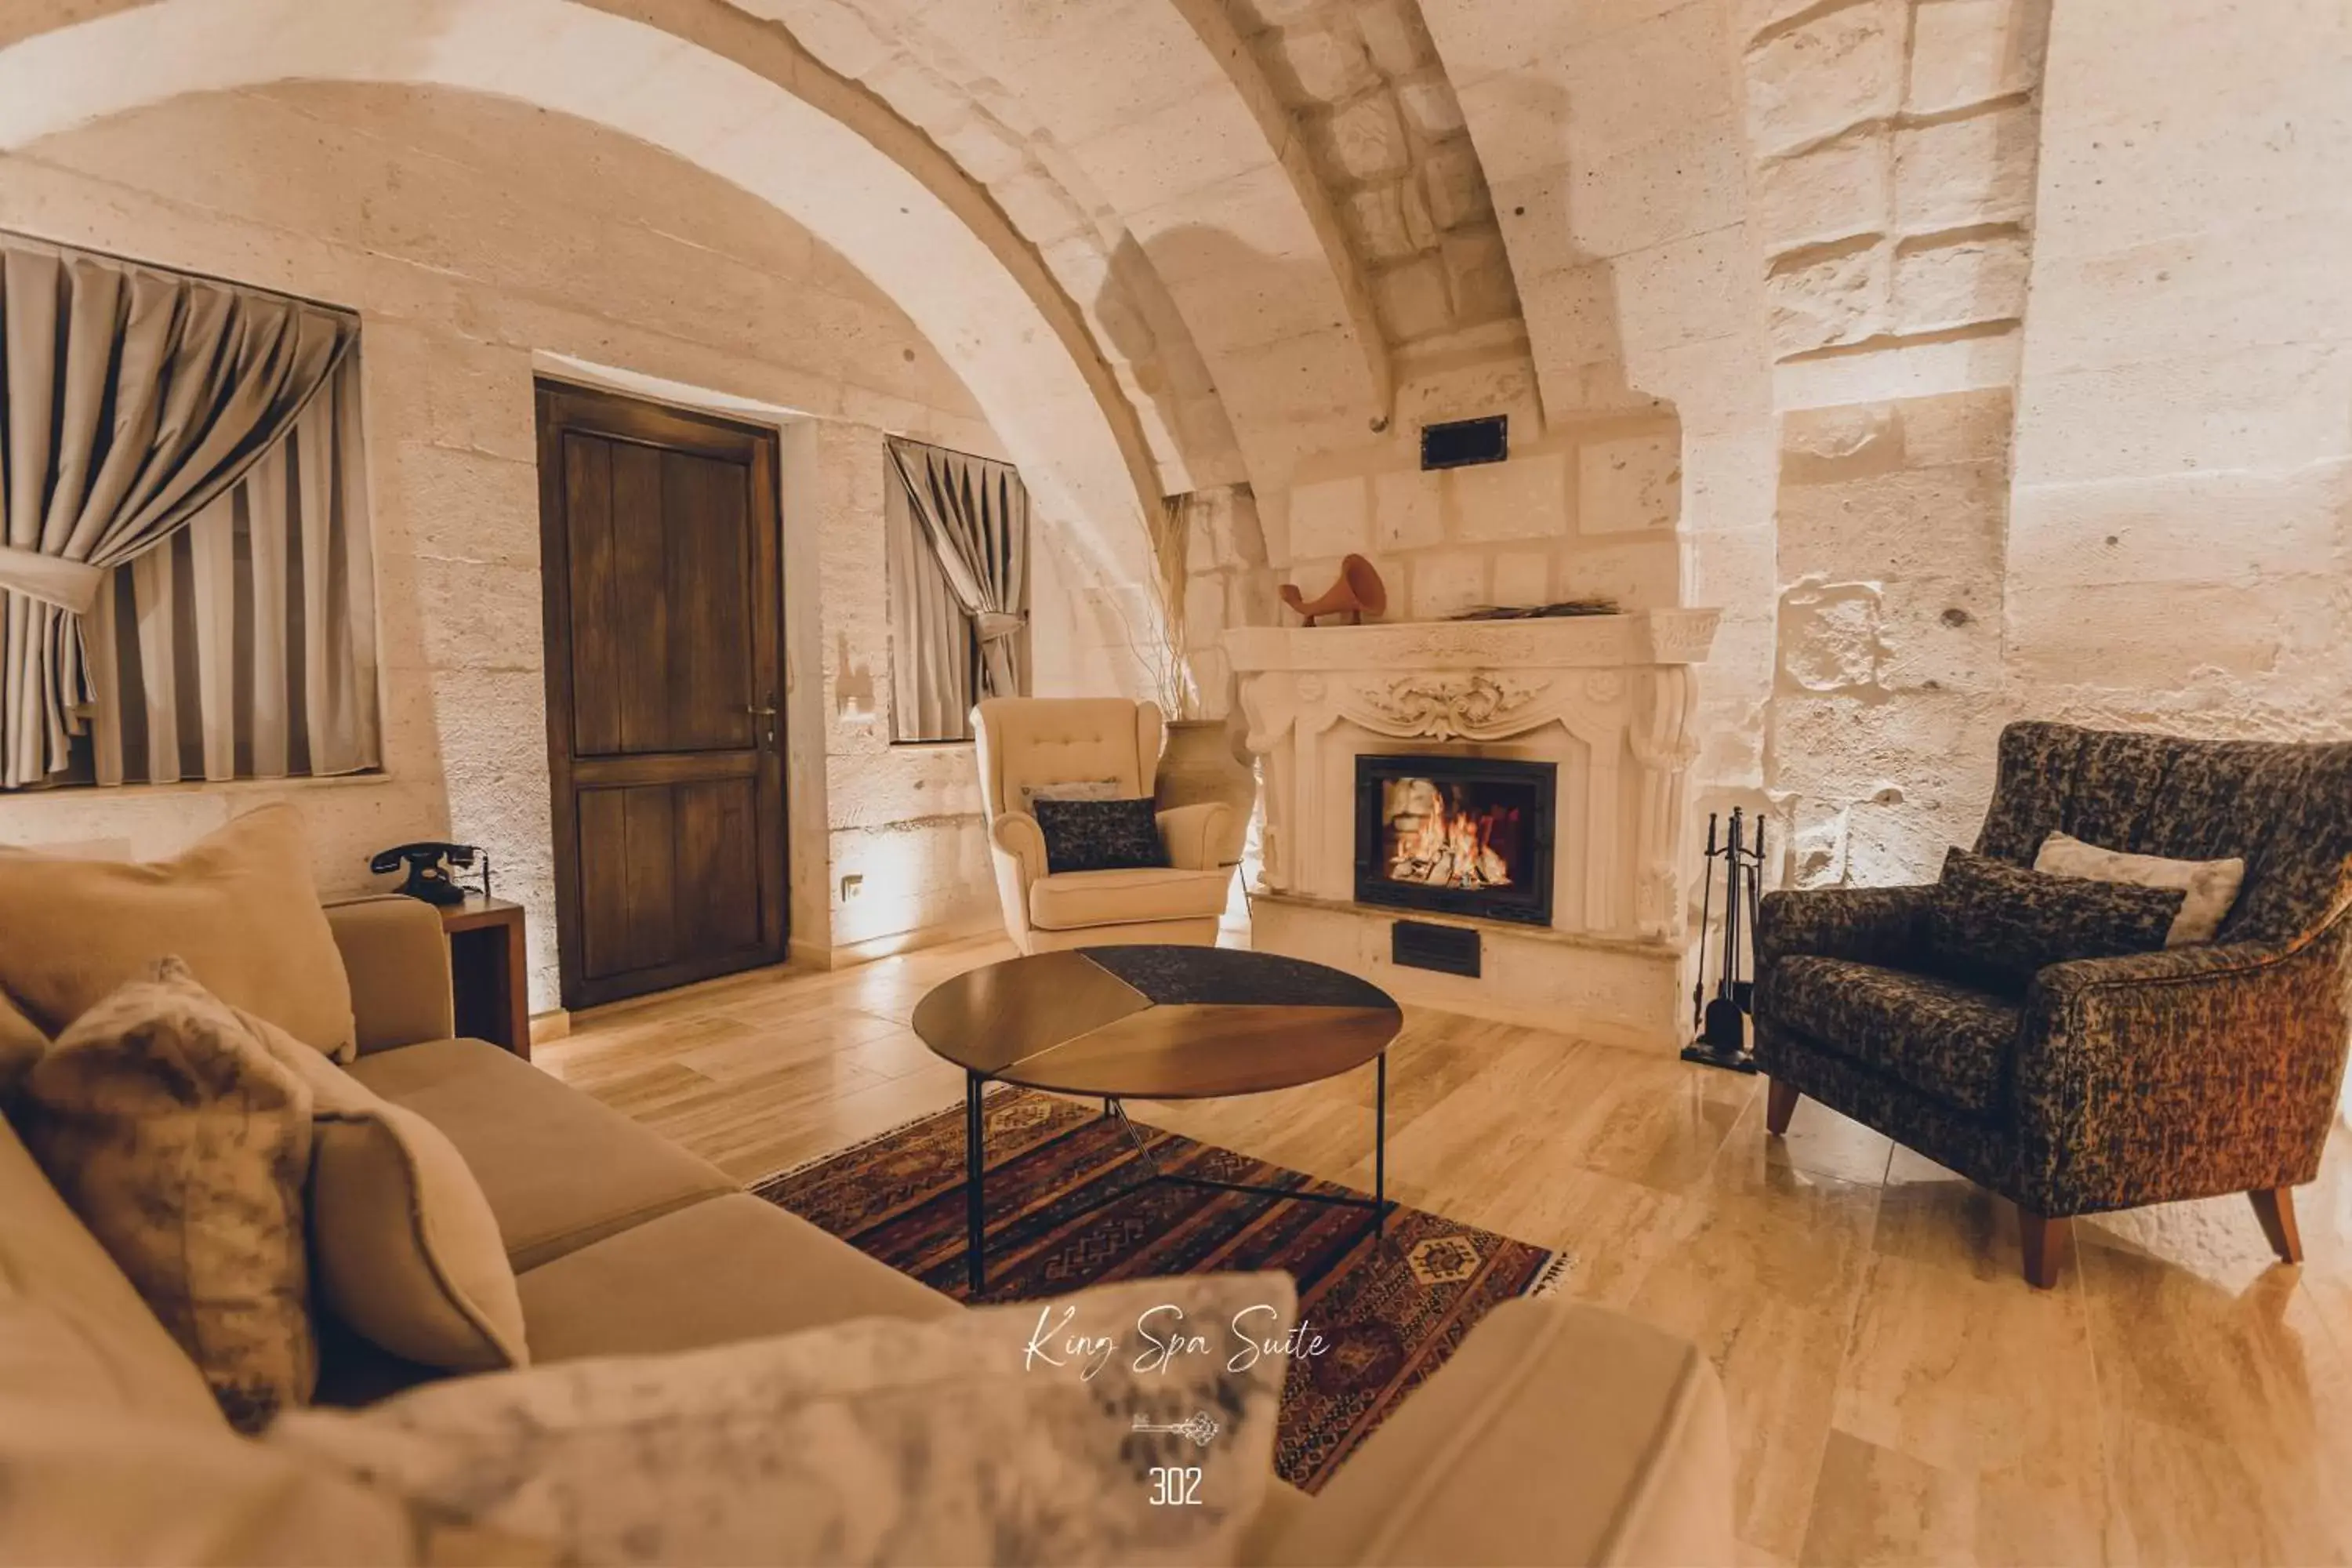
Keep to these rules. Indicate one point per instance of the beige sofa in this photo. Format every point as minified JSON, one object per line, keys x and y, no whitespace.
{"x":1558,"y":1434}
{"x":1024,"y":742}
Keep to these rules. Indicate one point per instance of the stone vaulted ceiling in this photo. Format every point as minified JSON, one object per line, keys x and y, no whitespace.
{"x":1261,"y":230}
{"x":1264,"y":208}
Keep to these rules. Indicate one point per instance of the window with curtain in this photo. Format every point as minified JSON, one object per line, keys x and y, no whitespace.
{"x":186,"y":590}
{"x":958,"y":530}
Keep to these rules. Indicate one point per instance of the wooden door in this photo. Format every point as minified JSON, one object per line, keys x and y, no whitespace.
{"x":664,"y":667}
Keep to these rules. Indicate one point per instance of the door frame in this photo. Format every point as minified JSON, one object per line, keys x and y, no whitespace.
{"x":560,"y":405}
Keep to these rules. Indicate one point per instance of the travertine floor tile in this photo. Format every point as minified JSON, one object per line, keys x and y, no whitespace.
{"x":1881,"y":1507}
{"x":1896,"y":1391}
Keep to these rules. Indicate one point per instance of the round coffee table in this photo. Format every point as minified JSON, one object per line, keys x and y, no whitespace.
{"x":1156,"y":1023}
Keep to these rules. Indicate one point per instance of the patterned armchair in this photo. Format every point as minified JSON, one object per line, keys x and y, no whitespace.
{"x":2112,"y":1082}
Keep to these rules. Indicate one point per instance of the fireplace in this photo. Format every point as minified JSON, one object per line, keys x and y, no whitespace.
{"x":1470,"y":835}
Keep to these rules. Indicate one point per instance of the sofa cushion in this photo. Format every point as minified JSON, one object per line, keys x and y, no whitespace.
{"x":91,"y":1484}
{"x":560,"y":1169}
{"x":1481,"y":1465}
{"x":1073,"y":899}
{"x":183,"y":1143}
{"x":404,"y":1247}
{"x":731,"y":1268}
{"x":874,"y":1440}
{"x":397,"y":957}
{"x":237,"y":907}
{"x":1938,"y":1037}
{"x":72,"y":1327}
{"x":21,"y":1045}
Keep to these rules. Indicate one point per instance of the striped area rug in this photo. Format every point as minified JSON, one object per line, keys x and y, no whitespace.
{"x":1392,"y":1312}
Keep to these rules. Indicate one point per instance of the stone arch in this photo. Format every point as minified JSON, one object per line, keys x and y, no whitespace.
{"x":707,"y":84}
{"x":1150,"y":148}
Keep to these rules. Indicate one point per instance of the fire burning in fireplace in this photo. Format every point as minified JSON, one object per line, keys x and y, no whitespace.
{"x":1439,"y":839}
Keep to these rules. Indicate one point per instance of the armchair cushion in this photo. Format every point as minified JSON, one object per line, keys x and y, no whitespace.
{"x":1994,"y":925}
{"x":1941,"y":1037}
{"x":1075,"y":789}
{"x":1868,"y":925}
{"x":2208,"y":887}
{"x":1071,"y":901}
{"x":1099,"y":835}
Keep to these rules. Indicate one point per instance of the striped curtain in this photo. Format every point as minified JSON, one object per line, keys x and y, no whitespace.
{"x":244,"y":646}
{"x":134,"y":402}
{"x":971,"y":516}
{"x":933,"y":657}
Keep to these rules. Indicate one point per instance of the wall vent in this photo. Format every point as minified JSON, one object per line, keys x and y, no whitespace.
{"x":1461,"y":442}
{"x":1449,"y":950}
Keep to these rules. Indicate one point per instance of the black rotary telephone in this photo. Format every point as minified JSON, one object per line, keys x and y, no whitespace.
{"x":428,"y":879}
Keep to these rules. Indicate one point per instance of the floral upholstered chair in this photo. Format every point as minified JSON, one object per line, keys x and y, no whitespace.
{"x":2108,"y":1083}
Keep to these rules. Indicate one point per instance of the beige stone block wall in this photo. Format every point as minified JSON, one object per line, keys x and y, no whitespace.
{"x":1890,"y":690}
{"x":2182,"y":529}
{"x":1613,"y":135}
{"x":472,"y":234}
{"x":1895,"y":144}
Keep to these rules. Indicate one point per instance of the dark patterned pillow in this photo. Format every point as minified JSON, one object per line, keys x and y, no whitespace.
{"x":1100,"y":834}
{"x":1995,"y":925}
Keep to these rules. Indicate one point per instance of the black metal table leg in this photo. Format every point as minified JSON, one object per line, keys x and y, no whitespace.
{"x":975,"y":1213}
{"x":1381,"y":1149}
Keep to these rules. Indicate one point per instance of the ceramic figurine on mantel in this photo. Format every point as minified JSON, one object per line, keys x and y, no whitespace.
{"x":1359,"y":593}
{"x":1720,"y":1024}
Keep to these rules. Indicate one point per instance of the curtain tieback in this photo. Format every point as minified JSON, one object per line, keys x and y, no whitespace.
{"x":70,"y":585}
{"x":992,"y":626}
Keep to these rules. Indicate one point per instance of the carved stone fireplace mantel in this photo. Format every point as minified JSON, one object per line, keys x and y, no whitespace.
{"x":1607,"y":698}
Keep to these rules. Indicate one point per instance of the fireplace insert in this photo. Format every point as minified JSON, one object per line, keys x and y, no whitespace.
{"x":1471,"y":836}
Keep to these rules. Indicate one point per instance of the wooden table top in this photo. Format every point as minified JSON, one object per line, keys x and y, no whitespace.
{"x":1157,"y":1022}
{"x":478,"y":912}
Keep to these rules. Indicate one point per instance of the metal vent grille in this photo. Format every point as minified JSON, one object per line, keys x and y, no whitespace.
{"x":1449,"y":950}
{"x":1460,"y":442}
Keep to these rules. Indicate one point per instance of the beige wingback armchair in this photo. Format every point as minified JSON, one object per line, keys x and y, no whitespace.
{"x":1025,"y":742}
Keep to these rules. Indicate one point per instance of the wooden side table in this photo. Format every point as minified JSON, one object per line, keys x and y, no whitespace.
{"x":489,"y":975}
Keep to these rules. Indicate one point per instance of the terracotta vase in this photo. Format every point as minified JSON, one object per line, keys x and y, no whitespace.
{"x":1200,"y":761}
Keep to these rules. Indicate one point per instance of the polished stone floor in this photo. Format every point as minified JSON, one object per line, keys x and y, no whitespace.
{"x":1897,"y":1394}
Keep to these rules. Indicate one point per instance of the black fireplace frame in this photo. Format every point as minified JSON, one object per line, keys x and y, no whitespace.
{"x":1530,"y":906}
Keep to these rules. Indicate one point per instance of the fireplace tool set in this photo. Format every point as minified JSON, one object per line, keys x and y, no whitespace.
{"x":1719,"y":1024}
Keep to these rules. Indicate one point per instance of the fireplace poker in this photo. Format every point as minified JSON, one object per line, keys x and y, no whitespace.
{"x":1706,"y":919}
{"x":1722,"y":1024}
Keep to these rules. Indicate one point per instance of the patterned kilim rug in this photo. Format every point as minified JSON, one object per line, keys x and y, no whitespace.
{"x":1391,"y":1314}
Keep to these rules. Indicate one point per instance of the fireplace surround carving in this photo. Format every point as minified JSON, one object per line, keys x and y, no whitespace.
{"x":1606,"y":700}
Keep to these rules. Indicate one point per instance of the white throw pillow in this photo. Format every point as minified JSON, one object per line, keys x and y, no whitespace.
{"x":880,"y":1440}
{"x":1077,"y":789}
{"x":2212,"y":886}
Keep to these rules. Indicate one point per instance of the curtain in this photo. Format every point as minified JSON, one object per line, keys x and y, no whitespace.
{"x":932,"y":657}
{"x":974,"y":514}
{"x":244,"y":646}
{"x":132,"y":399}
